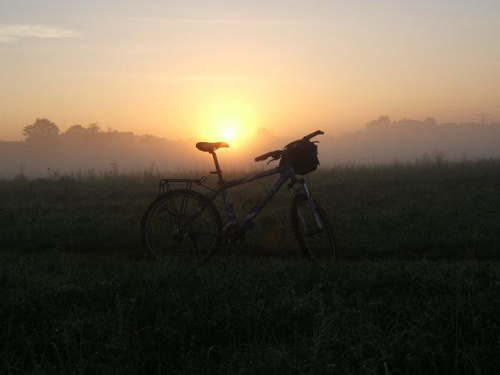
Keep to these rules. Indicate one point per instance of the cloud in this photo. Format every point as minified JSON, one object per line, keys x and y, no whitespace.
{"x":7,"y":39}
{"x":13,"y":33}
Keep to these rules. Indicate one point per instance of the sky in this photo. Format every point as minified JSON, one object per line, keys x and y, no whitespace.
{"x":215,"y":69}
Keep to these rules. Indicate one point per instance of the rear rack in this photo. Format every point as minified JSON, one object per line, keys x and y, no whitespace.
{"x":165,"y":183}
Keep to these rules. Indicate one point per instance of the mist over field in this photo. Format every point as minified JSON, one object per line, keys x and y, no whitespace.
{"x":384,"y":141}
{"x":80,"y":151}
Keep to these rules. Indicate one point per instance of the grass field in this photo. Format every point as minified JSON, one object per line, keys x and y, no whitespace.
{"x":417,"y":289}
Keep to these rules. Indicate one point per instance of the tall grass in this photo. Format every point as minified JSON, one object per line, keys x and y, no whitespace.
{"x":404,"y":211}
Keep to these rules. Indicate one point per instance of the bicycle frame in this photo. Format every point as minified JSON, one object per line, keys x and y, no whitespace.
{"x":286,"y":173}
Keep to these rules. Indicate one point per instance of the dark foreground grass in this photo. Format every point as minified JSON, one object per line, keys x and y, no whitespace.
{"x":417,"y":292}
{"x":70,"y":314}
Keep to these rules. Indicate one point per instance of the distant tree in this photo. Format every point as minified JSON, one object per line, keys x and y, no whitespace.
{"x":381,"y":122}
{"x":384,"y":120}
{"x":93,"y":128}
{"x":76,"y":130}
{"x":41,"y":130}
{"x":430,"y":121}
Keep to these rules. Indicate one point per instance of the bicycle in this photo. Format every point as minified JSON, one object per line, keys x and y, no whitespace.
{"x":184,"y":221}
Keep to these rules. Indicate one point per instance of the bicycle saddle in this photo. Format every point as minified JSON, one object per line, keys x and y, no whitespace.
{"x":210,"y":147}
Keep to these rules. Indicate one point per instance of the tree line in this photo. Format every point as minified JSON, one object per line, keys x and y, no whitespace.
{"x":44,"y":130}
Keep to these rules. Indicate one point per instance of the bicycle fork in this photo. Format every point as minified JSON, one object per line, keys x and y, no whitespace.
{"x":318,"y":228}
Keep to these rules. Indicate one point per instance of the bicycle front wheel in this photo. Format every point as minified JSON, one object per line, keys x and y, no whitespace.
{"x":312,"y":230}
{"x":181,"y":223}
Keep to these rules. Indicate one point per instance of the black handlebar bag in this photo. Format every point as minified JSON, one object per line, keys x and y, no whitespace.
{"x":302,"y":156}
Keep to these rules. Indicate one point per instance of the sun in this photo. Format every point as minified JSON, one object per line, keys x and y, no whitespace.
{"x":227,"y":120}
{"x":229,"y":133}
{"x":230,"y":129}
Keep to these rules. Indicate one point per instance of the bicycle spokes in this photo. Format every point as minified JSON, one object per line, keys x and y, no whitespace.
{"x":181,"y":223}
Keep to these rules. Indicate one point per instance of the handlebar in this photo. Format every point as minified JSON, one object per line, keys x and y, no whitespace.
{"x":274,"y":154}
{"x":277,"y":153}
{"x":314,"y":134}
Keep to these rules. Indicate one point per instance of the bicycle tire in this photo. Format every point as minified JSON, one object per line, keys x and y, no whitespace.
{"x":317,"y":244}
{"x":162,"y":220}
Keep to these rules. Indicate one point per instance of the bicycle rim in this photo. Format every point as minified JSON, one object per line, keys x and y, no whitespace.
{"x":313,"y":232}
{"x":165,"y":229}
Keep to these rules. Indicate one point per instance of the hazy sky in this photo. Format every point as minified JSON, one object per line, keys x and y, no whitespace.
{"x":191,"y":68}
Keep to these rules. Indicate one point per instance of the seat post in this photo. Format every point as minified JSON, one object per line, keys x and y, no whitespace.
{"x":217,"y":167}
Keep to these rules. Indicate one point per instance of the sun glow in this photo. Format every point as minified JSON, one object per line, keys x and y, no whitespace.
{"x":232,"y":130}
{"x":231,"y":121}
{"x":229,"y":134}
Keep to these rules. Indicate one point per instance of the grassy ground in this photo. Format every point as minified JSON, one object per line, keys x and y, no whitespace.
{"x":428,"y":210}
{"x":417,"y":291}
{"x":72,"y":314}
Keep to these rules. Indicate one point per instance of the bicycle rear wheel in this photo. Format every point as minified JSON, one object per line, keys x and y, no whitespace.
{"x":313,"y":232}
{"x":181,"y":223}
